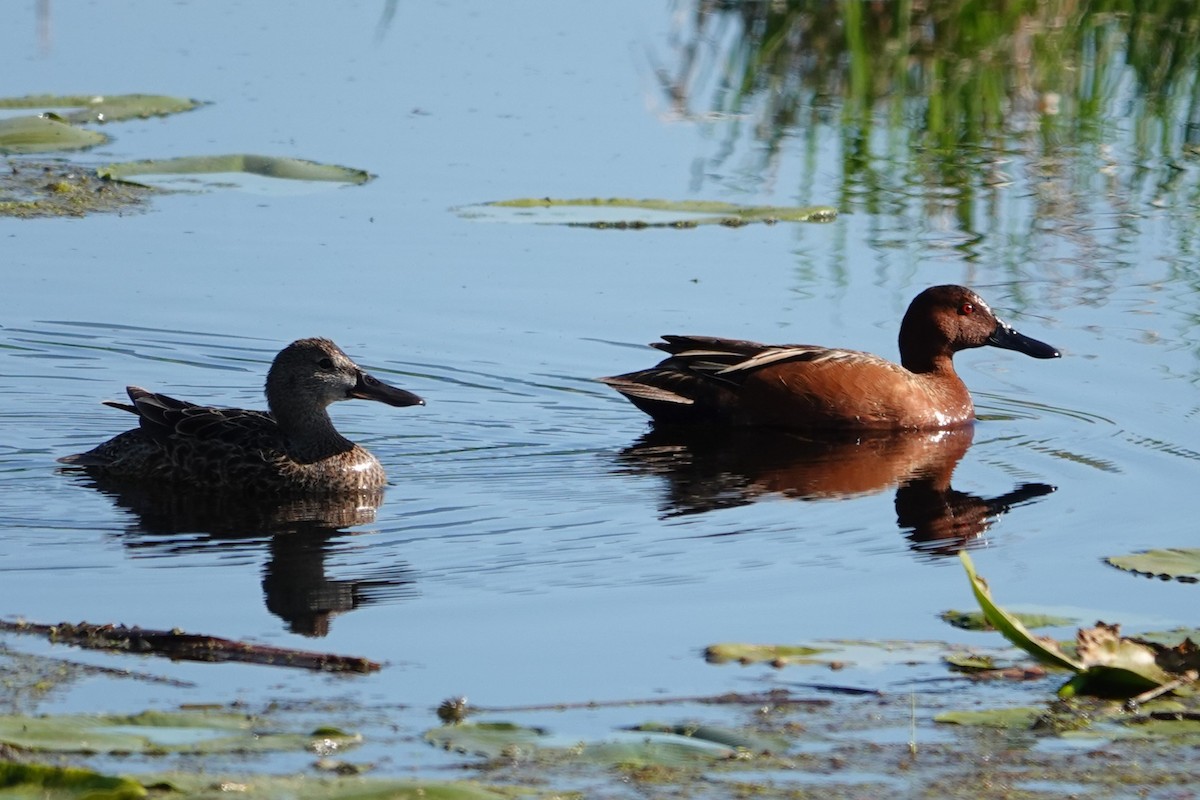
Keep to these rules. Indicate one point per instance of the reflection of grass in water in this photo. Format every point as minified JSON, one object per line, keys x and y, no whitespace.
{"x":940,"y":87}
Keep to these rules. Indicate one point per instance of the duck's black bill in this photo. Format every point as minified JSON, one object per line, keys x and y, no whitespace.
{"x":1007,"y":338}
{"x":369,"y":387}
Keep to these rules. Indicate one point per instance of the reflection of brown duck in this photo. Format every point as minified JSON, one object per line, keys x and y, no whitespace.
{"x":299,"y":533}
{"x":707,"y":470}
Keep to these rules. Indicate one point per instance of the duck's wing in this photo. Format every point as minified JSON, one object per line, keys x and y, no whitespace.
{"x":162,"y":417}
{"x":704,"y":377}
{"x":733,"y":360}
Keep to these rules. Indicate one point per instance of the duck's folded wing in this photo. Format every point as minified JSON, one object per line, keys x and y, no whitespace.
{"x":731,"y":360}
{"x":161,"y":416}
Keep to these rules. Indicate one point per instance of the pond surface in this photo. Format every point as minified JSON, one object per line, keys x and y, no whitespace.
{"x":532,"y":547}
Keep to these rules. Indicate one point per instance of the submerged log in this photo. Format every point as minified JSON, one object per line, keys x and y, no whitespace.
{"x":175,"y":644}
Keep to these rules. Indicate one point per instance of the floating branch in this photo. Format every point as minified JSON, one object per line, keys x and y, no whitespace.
{"x":176,"y":644}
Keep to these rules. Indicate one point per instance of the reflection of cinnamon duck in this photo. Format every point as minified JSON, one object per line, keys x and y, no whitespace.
{"x":711,"y":469}
{"x":299,"y":534}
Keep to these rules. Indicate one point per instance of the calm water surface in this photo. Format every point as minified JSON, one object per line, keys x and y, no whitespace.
{"x":532,"y":546}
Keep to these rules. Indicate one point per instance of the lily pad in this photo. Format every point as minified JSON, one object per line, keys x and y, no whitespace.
{"x":630,"y":213}
{"x":657,"y":745}
{"x":778,"y":654}
{"x":44,"y":134}
{"x":201,"y":786}
{"x":1180,"y":563}
{"x":1006,"y":718}
{"x":53,"y":783}
{"x":976,"y":621}
{"x":157,"y":732}
{"x":726,"y":737}
{"x":104,"y":108}
{"x":265,"y":166}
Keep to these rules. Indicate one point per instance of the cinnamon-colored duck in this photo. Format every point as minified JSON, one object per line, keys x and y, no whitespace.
{"x":293,"y":449}
{"x":708,"y":380}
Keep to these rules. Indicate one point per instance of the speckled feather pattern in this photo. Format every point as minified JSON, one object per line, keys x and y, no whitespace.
{"x":229,"y":449}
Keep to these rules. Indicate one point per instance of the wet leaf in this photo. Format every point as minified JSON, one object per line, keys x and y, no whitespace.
{"x":104,"y":108}
{"x":976,"y":621}
{"x":1107,"y":663}
{"x":658,"y":745}
{"x":744,"y":653}
{"x":487,"y":739}
{"x":1007,"y":718}
{"x":726,"y":737}
{"x":43,"y":135}
{"x":598,"y":212}
{"x":200,"y":786}
{"x":969,"y":662}
{"x":1115,"y":665}
{"x":1043,"y":649}
{"x":1180,"y":563}
{"x":60,"y":783}
{"x":266,"y":166}
{"x":154,"y":732}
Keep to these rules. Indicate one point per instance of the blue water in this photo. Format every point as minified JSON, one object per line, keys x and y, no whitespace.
{"x":519,"y":556}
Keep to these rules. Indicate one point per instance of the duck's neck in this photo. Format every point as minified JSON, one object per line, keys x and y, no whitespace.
{"x":310,"y":436}
{"x":926,"y":364}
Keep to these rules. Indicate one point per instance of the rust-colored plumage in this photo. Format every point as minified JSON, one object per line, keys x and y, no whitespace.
{"x":293,"y":449}
{"x":734,"y":382}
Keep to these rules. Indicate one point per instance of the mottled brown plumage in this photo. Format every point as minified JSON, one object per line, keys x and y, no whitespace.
{"x":293,"y":449}
{"x":733,"y":382}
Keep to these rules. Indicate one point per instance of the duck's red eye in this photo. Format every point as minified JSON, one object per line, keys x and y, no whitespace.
{"x":967,"y":309}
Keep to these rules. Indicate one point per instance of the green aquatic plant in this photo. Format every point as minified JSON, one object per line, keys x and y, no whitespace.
{"x":1104,"y":662}
{"x":153,"y":732}
{"x":44,"y":189}
{"x":44,"y":134}
{"x":103,"y":108}
{"x":596,"y":212}
{"x":293,"y":169}
{"x":1178,"y":563}
{"x":64,"y":783}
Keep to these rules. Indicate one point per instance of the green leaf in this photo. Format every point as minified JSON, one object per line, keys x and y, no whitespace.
{"x":976,"y":621}
{"x":200,"y":785}
{"x":596,"y":212}
{"x":267,"y":166}
{"x":487,"y":739}
{"x":726,"y":737}
{"x":1044,"y":650}
{"x":1007,"y":718}
{"x":44,"y":135}
{"x":64,"y":783}
{"x":152,"y":732}
{"x":656,"y":745}
{"x":744,"y":653}
{"x":970,"y":662}
{"x":104,"y":108}
{"x":1115,"y":665}
{"x":1180,"y":563}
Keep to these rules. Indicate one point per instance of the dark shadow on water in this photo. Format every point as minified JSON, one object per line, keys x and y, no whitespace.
{"x":705,"y":470}
{"x":298,"y":534}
